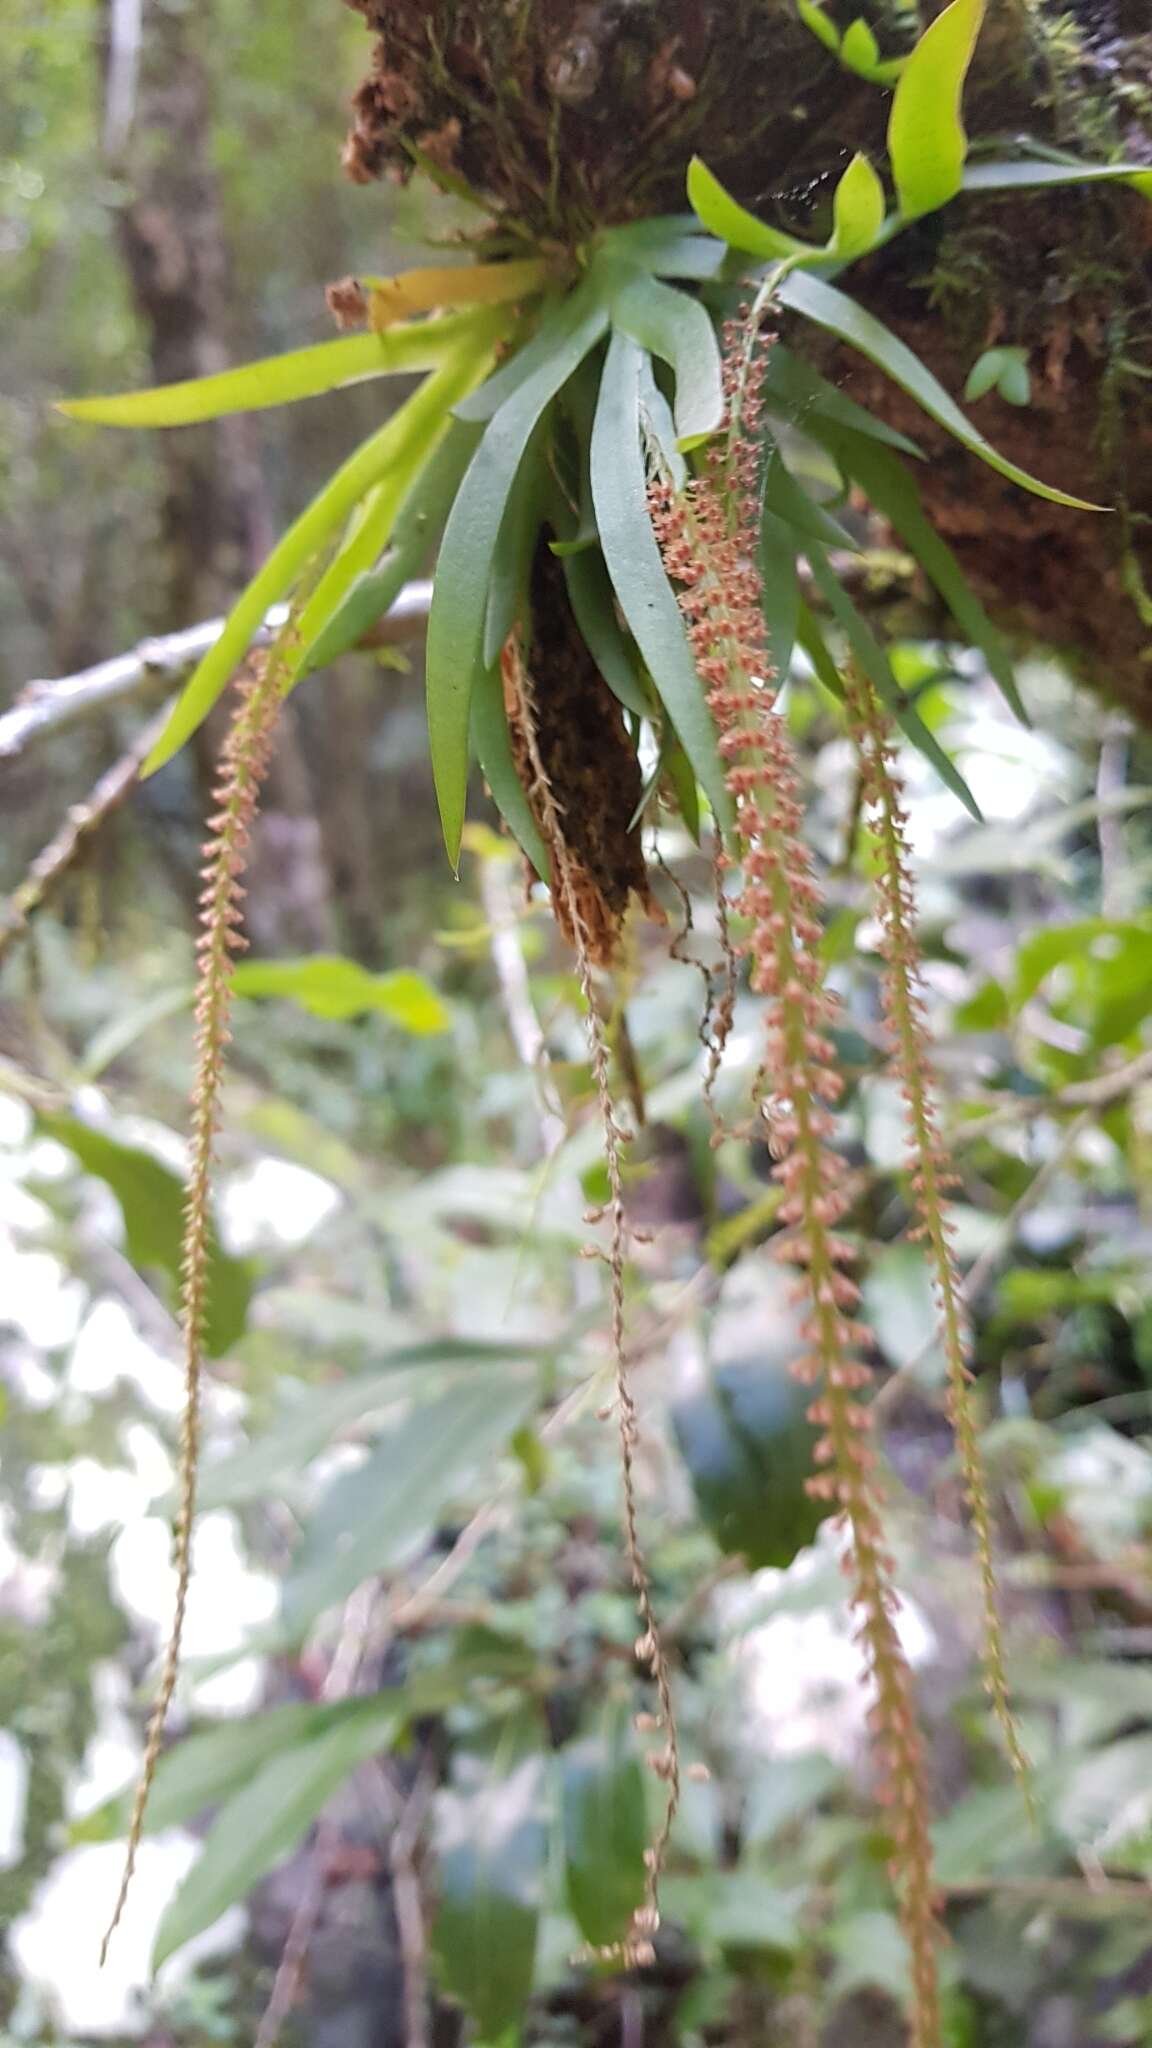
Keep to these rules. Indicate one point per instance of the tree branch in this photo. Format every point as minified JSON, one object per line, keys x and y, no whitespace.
{"x":49,"y":706}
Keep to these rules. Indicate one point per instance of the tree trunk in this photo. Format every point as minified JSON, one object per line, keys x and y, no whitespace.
{"x":215,"y":519}
{"x":574,"y":113}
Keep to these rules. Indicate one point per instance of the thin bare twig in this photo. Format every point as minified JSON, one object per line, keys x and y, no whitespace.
{"x":49,"y":706}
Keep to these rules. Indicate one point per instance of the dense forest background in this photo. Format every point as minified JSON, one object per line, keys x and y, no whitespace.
{"x":411,"y":1146}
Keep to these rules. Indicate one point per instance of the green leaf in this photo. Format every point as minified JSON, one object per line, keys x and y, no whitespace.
{"x":747,"y":1446}
{"x":515,"y":548}
{"x":320,"y":1414}
{"x":418,"y":522}
{"x":265,"y":1819}
{"x":370,"y":1518}
{"x":280,"y":380}
{"x":425,"y":421}
{"x":457,"y":620}
{"x":389,"y":450}
{"x":859,"y":49}
{"x":593,"y":608}
{"x":580,"y":313}
{"x":151,"y":1199}
{"x":494,"y":752}
{"x":812,"y":640}
{"x":670,"y":246}
{"x":926,"y":139}
{"x":857,"y":210}
{"x":1016,"y":177}
{"x":605,"y":1826}
{"x":493,"y":1847}
{"x":783,"y":497}
{"x":725,"y":217}
{"x":894,"y":492}
{"x":328,"y":985}
{"x":794,"y":390}
{"x":813,"y":16}
{"x":833,"y":310}
{"x":780,"y":582}
{"x":871,"y":658}
{"x":675,"y":327}
{"x":620,"y":492}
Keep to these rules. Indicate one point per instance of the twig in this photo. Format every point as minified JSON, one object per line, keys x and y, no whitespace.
{"x":50,"y":706}
{"x":1096,"y":1093}
{"x":80,"y":823}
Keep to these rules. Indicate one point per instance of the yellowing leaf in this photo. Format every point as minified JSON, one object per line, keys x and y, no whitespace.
{"x":463,"y":284}
{"x":926,"y":138}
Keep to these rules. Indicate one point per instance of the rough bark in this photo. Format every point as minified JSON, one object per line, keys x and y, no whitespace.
{"x":572,"y":113}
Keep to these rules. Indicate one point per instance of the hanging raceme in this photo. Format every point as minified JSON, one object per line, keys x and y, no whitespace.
{"x":243,"y":765}
{"x":932,"y":1177}
{"x":635,"y":1947}
{"x":707,"y":533}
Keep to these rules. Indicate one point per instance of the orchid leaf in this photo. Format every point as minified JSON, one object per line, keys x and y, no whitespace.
{"x":676,"y":328}
{"x":831,"y":309}
{"x":926,"y":139}
{"x":494,"y":752}
{"x":858,"y":211}
{"x":724,"y":216}
{"x":280,"y":380}
{"x":620,"y":492}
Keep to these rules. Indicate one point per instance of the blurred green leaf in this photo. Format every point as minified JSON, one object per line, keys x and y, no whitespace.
{"x":493,"y":1845}
{"x":370,"y":1518}
{"x":260,"y":1825}
{"x":320,"y":1414}
{"x":735,"y":1909}
{"x":812,"y":14}
{"x":328,"y":985}
{"x":780,"y":582}
{"x":724,"y":216}
{"x":900,"y":1304}
{"x":605,"y":1826}
{"x":783,"y":1791}
{"x":151,"y":1199}
{"x":594,"y":610}
{"x":1016,"y":177}
{"x":620,"y":492}
{"x":926,"y":139}
{"x":747,"y":1446}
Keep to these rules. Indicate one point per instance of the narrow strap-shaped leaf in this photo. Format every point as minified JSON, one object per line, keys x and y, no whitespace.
{"x":1019,"y":177}
{"x":657,"y":426}
{"x":515,"y":546}
{"x":867,"y":651}
{"x":894,"y":493}
{"x":418,"y":523}
{"x":425,"y":419}
{"x":780,"y":581}
{"x":926,"y":139}
{"x":796,"y":392}
{"x":783,"y":496}
{"x":675,"y":327}
{"x":494,"y":753}
{"x":724,"y":216}
{"x":833,"y":310}
{"x":458,"y":284}
{"x":570,"y":327}
{"x":590,"y":595}
{"x":457,"y":620}
{"x":391,"y":446}
{"x":671,"y":245}
{"x":280,"y":380}
{"x":620,"y":493}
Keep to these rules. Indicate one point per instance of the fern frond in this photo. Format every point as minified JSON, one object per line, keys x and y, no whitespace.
{"x":243,"y":765}
{"x":932,"y":1177}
